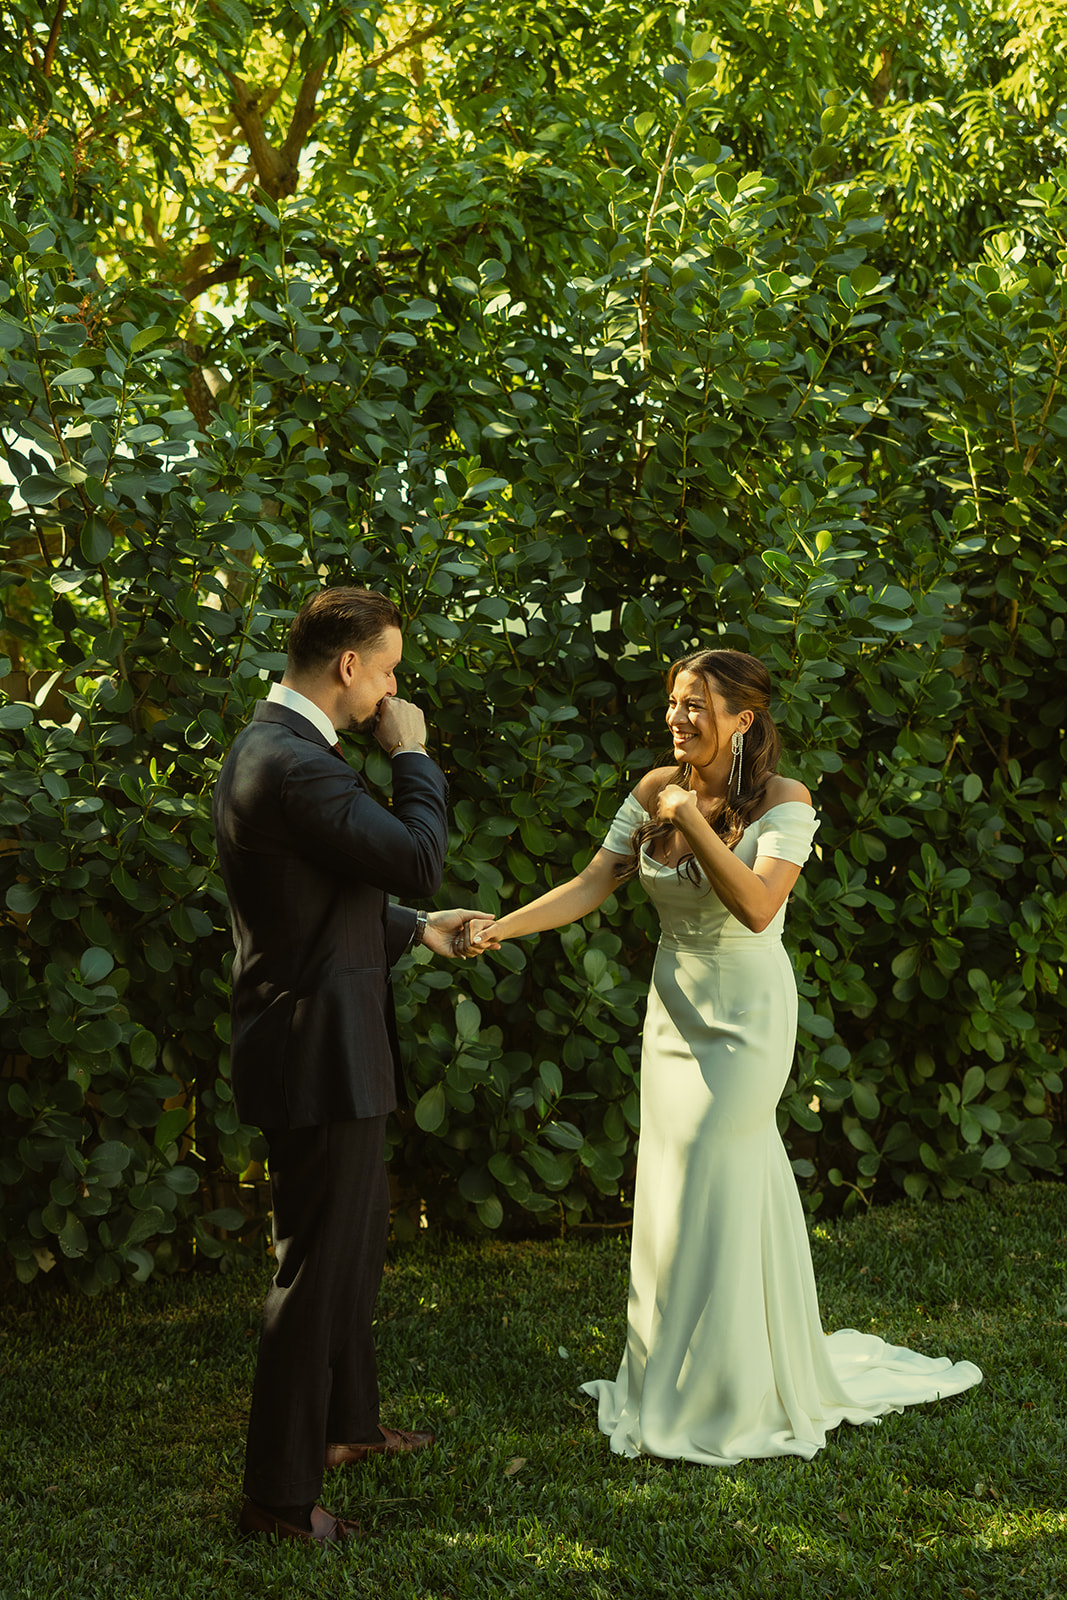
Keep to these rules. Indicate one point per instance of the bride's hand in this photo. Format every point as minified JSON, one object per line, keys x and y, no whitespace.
{"x":675,"y":802}
{"x":475,"y":937}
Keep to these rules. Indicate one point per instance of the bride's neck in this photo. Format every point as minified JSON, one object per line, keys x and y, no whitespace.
{"x":709,"y":784}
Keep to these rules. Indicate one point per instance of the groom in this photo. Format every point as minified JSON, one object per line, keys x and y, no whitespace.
{"x":309,"y":860}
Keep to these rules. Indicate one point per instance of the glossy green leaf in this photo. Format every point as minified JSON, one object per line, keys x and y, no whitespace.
{"x":95,"y":964}
{"x":227,"y":1217}
{"x":431,"y":1110}
{"x":95,"y":541}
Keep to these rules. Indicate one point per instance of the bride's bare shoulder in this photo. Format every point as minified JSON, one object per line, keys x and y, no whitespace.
{"x":781,"y":790}
{"x":650,"y":785}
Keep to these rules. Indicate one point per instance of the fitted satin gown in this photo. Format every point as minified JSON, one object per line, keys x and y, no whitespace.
{"x":725,"y":1354}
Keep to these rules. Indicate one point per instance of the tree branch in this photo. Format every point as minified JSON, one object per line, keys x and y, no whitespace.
{"x":272,"y":173}
{"x":224,"y":126}
{"x":247,"y":176}
{"x":230,"y":269}
{"x":53,"y":39}
{"x":303,"y":117}
{"x":198,"y":395}
{"x":278,"y":168}
{"x":235,"y":267}
{"x":418,"y":37}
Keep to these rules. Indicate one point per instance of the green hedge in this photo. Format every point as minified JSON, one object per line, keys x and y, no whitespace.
{"x":715,"y":420}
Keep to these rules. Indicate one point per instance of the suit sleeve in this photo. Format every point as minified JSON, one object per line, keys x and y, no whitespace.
{"x":340,"y":825}
{"x":399,"y":927}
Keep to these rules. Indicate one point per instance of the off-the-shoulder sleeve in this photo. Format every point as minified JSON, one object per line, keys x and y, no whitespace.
{"x":787,"y":832}
{"x":629,"y":816}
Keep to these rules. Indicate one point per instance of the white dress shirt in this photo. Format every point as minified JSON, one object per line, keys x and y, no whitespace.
{"x":281,"y":695}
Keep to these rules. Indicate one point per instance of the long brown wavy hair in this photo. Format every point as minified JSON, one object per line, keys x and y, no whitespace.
{"x":745,"y":685}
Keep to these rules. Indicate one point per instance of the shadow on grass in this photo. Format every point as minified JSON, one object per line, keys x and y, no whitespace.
{"x":122,"y":1443}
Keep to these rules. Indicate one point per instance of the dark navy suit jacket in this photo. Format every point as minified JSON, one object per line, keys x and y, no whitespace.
{"x":309,"y":859}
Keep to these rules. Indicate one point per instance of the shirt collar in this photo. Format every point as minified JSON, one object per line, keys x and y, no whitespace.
{"x":281,"y":695}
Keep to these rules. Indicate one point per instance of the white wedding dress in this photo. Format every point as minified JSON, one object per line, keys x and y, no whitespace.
{"x":725,"y":1353}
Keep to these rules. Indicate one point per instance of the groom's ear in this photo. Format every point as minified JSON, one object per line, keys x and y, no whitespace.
{"x":348,"y":666}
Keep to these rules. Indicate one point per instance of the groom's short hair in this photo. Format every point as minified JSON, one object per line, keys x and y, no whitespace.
{"x":332,"y":621}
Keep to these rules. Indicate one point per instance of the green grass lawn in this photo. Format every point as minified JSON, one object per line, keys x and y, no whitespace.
{"x":123,"y":1419}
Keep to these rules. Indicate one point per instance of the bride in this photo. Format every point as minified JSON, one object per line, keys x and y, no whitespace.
{"x":725,"y":1354}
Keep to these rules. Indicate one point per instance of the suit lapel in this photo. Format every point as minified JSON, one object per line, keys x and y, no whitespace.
{"x":271,"y":711}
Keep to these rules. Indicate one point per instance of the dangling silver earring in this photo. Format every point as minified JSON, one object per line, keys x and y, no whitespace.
{"x":737,"y":745}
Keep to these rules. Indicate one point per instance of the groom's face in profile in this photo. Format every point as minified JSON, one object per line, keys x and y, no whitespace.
{"x":373,"y":679}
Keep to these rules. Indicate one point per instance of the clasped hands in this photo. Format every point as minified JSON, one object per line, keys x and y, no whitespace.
{"x":458,"y":933}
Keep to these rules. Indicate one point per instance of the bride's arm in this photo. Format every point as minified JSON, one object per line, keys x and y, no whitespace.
{"x":567,"y":902}
{"x":754,"y":895}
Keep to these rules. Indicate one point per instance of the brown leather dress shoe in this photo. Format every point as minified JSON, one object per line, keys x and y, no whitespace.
{"x":394,"y":1442}
{"x":325,"y":1527}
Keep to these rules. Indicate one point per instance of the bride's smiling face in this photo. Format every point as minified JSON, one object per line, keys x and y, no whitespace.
{"x":698,"y":719}
{"x":701,"y":724}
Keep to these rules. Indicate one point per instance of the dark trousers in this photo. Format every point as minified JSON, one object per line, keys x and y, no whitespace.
{"x":316,"y":1375}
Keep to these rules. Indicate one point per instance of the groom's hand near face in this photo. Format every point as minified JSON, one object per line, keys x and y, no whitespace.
{"x":399,"y":726}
